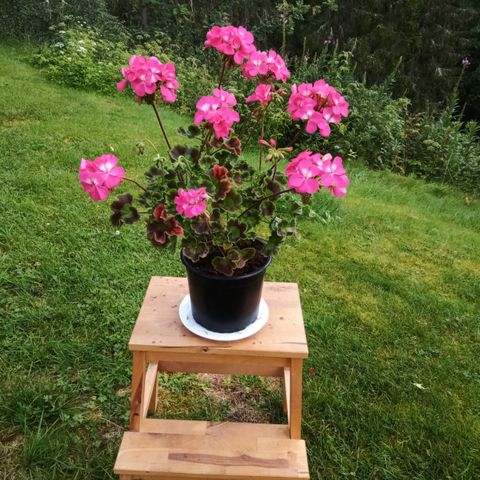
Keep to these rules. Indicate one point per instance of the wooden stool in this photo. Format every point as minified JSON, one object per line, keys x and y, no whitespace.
{"x":187,"y":449}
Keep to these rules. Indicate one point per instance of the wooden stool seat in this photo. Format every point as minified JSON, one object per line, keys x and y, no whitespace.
{"x":212,"y":450}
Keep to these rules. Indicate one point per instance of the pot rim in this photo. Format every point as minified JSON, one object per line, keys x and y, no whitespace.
{"x":190,"y":266}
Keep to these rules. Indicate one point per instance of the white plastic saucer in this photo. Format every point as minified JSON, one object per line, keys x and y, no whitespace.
{"x":189,"y":323}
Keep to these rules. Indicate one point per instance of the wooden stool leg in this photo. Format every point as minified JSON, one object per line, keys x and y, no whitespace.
{"x":284,"y":399}
{"x":152,"y":406}
{"x":296,"y":398}
{"x":138,"y":372}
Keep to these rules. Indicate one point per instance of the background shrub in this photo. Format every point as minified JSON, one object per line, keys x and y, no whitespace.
{"x":80,"y":56}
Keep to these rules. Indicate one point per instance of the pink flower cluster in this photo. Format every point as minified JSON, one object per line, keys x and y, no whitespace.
{"x":216,"y":111}
{"x":145,"y":75}
{"x":233,"y":41}
{"x":191,"y":203}
{"x":101,"y":175}
{"x":308,"y":172}
{"x":318,"y":104}
{"x":266,"y":63}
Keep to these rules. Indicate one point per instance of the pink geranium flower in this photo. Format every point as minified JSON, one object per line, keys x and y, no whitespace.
{"x":222,"y":120}
{"x":317,"y":122}
{"x":191,"y":203}
{"x":236,"y":42}
{"x":319,"y":104}
{"x":256,"y":65}
{"x":301,"y":107}
{"x":226,"y":98}
{"x":106,"y":165}
{"x":216,"y":111}
{"x":168,"y":82}
{"x":302,"y":174}
{"x":263,"y":93}
{"x":145,"y":75}
{"x":292,"y":166}
{"x":337,"y":184}
{"x":276,"y":65}
{"x":100,"y":176}
{"x":333,"y":176}
{"x":265,"y":64}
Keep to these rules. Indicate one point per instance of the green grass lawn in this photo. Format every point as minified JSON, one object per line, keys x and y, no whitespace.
{"x":390,"y":285}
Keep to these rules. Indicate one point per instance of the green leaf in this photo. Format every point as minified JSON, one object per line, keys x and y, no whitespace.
{"x":267,"y":208}
{"x":224,"y":266}
{"x":123,"y":211}
{"x":240,"y":257}
{"x":194,"y":250}
{"x":177,"y":151}
{"x":183,"y":151}
{"x":191,"y":132}
{"x":200,"y":224}
{"x":232,"y":201}
{"x":223,"y":188}
{"x":273,"y":244}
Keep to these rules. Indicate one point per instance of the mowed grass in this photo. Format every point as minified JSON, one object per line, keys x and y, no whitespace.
{"x":390,"y":286}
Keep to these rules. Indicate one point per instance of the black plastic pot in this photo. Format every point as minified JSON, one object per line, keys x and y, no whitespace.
{"x":224,"y":304}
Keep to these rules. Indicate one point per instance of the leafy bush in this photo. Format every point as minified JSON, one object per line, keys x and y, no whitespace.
{"x":32,"y":19}
{"x":79,"y":56}
{"x":445,"y":150}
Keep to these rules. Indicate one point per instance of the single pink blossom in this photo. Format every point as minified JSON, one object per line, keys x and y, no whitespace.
{"x":169,"y":82}
{"x":216,"y":111}
{"x":334,"y":167}
{"x":222,"y":121}
{"x":303,"y":177}
{"x":333,"y":176}
{"x":337,"y":184}
{"x":106,"y":165}
{"x":191,"y":203}
{"x":226,"y":98}
{"x":266,"y":64}
{"x":292,"y":166}
{"x":318,"y":122}
{"x":205,"y":106}
{"x":318,"y":159}
{"x":263,"y":93}
{"x":93,"y":184}
{"x":300,"y":106}
{"x":276,"y":66}
{"x":236,"y":42}
{"x":256,"y":64}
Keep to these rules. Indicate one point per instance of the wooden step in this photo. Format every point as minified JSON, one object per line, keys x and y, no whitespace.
{"x":209,"y":450}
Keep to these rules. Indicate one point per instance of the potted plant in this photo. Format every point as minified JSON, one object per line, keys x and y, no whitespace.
{"x":225,"y":214}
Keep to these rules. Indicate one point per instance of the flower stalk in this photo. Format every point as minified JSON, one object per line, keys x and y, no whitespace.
{"x":157,"y":114}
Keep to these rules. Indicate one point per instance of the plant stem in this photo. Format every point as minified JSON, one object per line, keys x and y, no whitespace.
{"x":135,"y":182}
{"x":260,"y":153}
{"x":222,"y":73}
{"x":161,"y":126}
{"x":260,"y":200}
{"x":205,"y":141}
{"x":274,"y":170}
{"x":152,"y":144}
